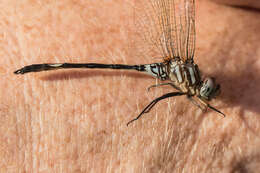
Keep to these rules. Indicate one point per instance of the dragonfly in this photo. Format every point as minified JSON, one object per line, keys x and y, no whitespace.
{"x":175,"y":36}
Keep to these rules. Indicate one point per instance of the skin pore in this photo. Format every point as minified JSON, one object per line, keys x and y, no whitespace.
{"x":75,"y":120}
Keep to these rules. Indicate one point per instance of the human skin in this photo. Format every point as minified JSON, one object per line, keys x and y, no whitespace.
{"x":75,"y":120}
{"x":254,"y":4}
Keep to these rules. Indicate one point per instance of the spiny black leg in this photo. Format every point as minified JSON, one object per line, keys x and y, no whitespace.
{"x":150,"y":106}
{"x":214,"y":109}
{"x":171,"y":84}
{"x":208,"y":105}
{"x":195,"y":103}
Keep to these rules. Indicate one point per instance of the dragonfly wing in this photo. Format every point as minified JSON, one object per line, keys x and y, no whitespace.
{"x":168,"y":26}
{"x":147,"y":31}
{"x":187,"y":33}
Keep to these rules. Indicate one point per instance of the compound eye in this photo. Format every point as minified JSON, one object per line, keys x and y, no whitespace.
{"x":207,"y":88}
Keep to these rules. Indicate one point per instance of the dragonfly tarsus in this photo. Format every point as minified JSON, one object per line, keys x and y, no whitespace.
{"x":216,"y":110}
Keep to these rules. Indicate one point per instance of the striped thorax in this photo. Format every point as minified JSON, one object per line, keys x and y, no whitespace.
{"x":184,"y":76}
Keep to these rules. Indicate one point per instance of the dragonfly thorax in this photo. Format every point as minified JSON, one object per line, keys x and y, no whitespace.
{"x":185,"y":76}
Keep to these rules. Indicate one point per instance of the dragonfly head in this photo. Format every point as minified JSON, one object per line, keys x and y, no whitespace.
{"x":209,"y":89}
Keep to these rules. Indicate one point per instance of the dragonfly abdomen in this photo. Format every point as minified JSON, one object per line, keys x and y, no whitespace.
{"x":157,"y":70}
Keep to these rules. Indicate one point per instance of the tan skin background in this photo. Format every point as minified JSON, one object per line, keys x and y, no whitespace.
{"x":75,"y":120}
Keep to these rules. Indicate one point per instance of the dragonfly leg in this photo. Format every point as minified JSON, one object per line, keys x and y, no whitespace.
{"x":196,"y":103}
{"x":205,"y":104}
{"x":151,"y":105}
{"x":171,"y":84}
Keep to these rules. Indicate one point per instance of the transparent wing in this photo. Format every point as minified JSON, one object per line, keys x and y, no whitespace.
{"x":167,"y":27}
{"x":185,"y":22}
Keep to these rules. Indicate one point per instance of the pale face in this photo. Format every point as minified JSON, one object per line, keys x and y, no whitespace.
{"x":209,"y":89}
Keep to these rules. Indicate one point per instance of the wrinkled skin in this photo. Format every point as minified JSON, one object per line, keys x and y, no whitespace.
{"x":75,"y":120}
